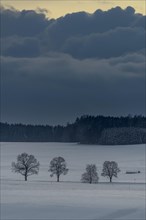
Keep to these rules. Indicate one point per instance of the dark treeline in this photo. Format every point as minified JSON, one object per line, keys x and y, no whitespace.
{"x":86,"y":129}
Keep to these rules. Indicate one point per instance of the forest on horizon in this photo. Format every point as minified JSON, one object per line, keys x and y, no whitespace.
{"x":87,"y":129}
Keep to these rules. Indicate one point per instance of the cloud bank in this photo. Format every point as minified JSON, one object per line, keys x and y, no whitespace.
{"x":56,"y":70}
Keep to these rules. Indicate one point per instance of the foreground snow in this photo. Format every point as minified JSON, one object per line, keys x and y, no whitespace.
{"x":43,"y":199}
{"x":67,"y":200}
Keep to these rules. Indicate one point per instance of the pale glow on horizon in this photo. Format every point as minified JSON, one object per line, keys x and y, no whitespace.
{"x":60,"y":8}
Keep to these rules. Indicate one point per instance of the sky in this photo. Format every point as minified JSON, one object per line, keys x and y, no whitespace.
{"x":54,"y":70}
{"x":57,"y":8}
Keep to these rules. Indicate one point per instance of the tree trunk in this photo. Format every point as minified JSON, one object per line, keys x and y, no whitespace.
{"x":57,"y":178}
{"x":110,"y":179}
{"x":25,"y":177}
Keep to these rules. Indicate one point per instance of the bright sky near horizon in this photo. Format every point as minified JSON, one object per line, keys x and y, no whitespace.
{"x":57,"y":8}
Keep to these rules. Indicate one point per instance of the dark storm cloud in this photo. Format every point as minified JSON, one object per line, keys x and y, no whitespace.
{"x":20,"y":47}
{"x":24,"y":23}
{"x":73,"y":28}
{"x":58,"y":88}
{"x":108,"y":44}
{"x":56,"y":70}
{"x":82,"y":35}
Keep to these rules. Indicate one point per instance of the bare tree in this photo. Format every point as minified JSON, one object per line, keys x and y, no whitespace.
{"x":91,"y":175}
{"x":110,"y":169}
{"x":26,"y":165}
{"x":58,"y":167}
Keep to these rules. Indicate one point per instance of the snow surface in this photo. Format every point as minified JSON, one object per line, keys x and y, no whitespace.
{"x":41,"y":198}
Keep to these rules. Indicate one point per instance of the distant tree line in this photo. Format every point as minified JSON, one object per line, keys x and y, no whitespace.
{"x":86,"y":129}
{"x":131,"y":135}
{"x":28,"y":165}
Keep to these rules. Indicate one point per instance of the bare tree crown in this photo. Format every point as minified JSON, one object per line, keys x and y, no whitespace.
{"x":26,"y":165}
{"x":91,"y":175}
{"x":58,"y":167}
{"x":110,"y":169}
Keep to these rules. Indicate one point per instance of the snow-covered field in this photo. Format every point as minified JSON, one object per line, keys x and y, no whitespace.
{"x":41,"y":198}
